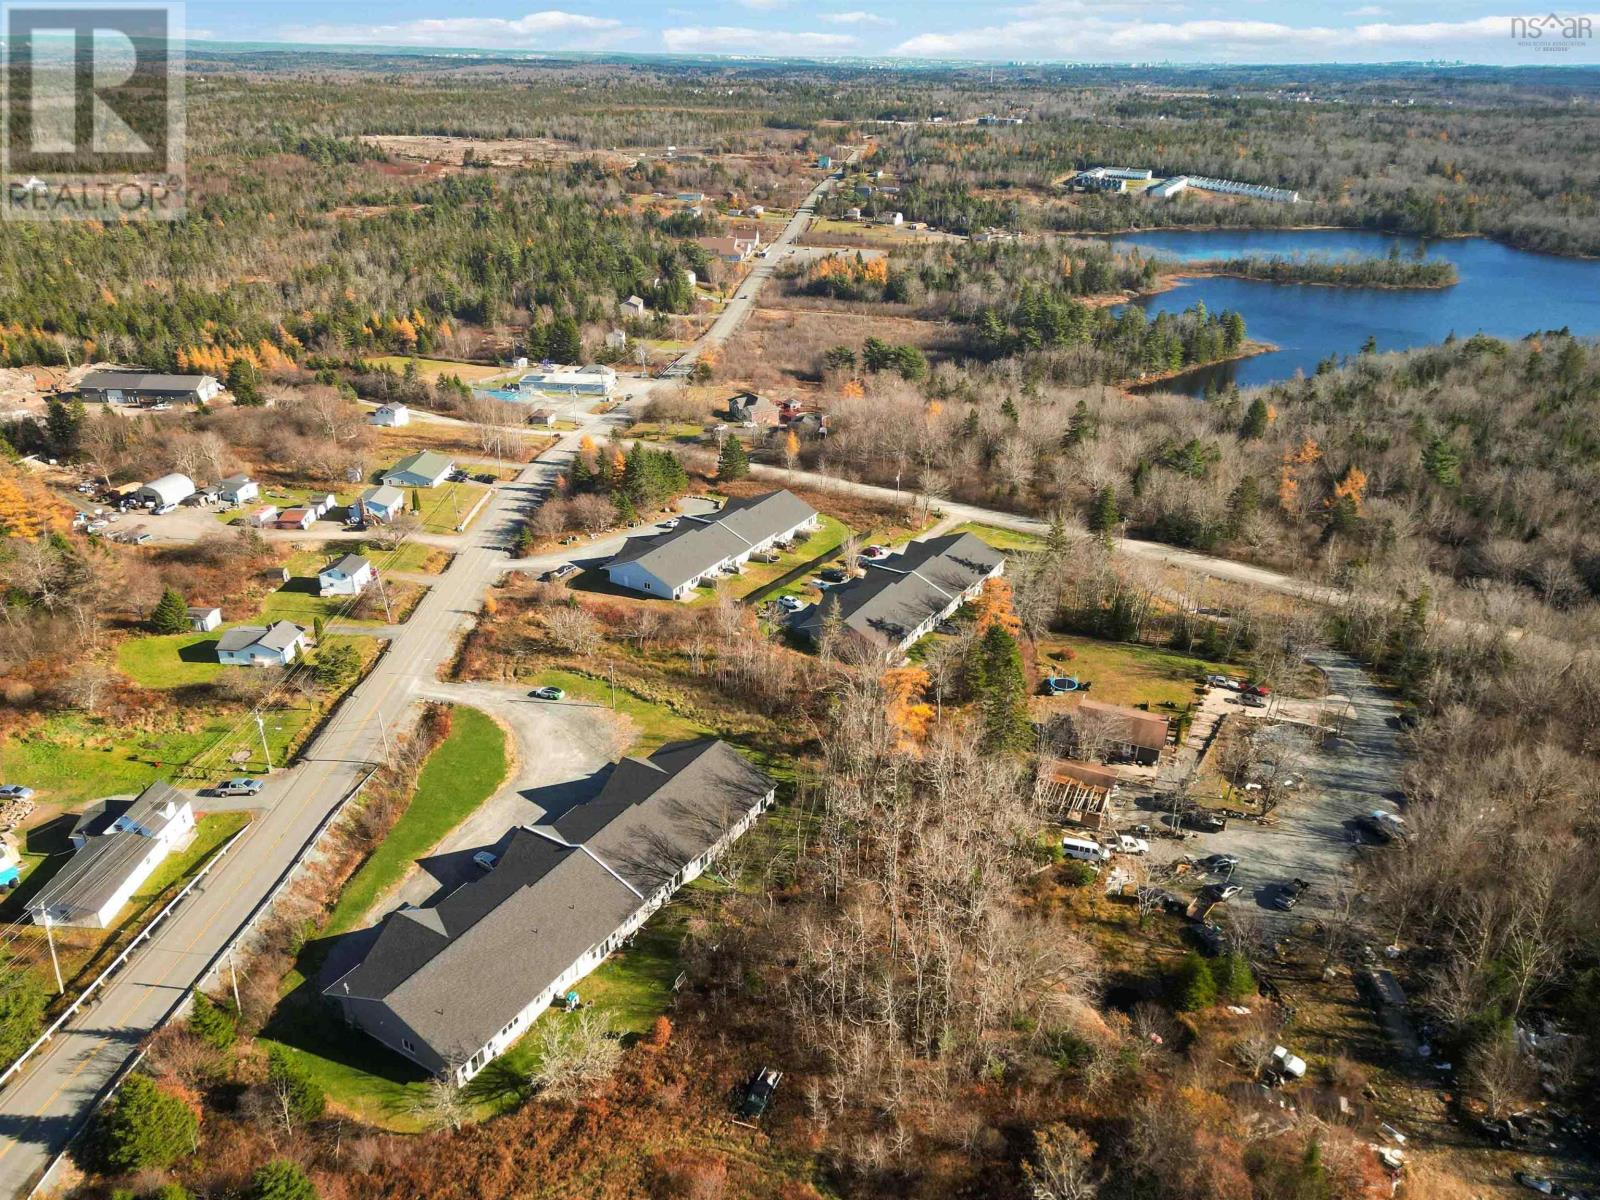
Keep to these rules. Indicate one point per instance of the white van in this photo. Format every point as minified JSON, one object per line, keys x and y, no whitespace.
{"x":1083,"y":850}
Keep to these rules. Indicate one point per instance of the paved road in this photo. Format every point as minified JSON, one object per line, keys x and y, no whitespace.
{"x":41,"y":1110}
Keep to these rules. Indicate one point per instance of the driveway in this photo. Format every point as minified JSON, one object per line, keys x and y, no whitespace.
{"x":1312,"y":835}
{"x":560,"y":749}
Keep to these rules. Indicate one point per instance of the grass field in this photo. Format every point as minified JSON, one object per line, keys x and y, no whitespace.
{"x":409,"y":556}
{"x":443,"y":508}
{"x":1127,"y":674}
{"x":299,"y":601}
{"x":179,"y":659}
{"x":461,"y":773}
{"x":1001,"y":539}
{"x":432,"y":368}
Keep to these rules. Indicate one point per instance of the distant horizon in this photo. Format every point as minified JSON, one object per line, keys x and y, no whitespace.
{"x":1026,"y":33}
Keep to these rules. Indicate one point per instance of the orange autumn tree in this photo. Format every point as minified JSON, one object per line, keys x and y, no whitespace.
{"x":1294,"y":462}
{"x":1352,"y":486}
{"x":994,"y":606}
{"x":908,"y":712}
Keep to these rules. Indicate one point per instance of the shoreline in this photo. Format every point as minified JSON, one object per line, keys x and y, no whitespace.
{"x":1250,"y":349}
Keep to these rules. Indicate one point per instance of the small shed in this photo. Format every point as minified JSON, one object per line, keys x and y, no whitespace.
{"x":203,"y":619}
{"x":390,"y":415}
{"x":295,"y":518}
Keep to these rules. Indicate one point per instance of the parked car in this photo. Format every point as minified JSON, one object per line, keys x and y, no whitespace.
{"x":1208,"y":937}
{"x":15,"y":791}
{"x":1169,"y":901}
{"x":1128,"y":844}
{"x":791,"y":603}
{"x":1383,"y":825}
{"x":485,"y":477}
{"x":1257,"y":689}
{"x":1219,"y":862}
{"x":1202,"y":820}
{"x":1220,"y":681}
{"x":1290,"y":893}
{"x":833,"y":575}
{"x":548,"y":693}
{"x":239,"y":787}
{"x":758,"y":1093}
{"x":1250,"y":700}
{"x":1538,"y":1183}
{"x":1220,"y":893}
{"x":875,"y":552}
{"x":670,"y":523}
{"x":1233,"y":685}
{"x":486,"y":859}
{"x":564,"y":571}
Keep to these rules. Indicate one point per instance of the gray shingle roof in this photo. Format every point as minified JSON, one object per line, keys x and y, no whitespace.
{"x":93,"y":874}
{"x":278,"y":637}
{"x":425,"y":463}
{"x":700,"y":543}
{"x":899,"y":593}
{"x":457,"y":972}
{"x":140,"y":381}
{"x":349,"y":566}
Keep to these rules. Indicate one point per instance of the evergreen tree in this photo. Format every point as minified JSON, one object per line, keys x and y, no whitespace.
{"x":211,"y":1023}
{"x":23,"y":1000}
{"x":1233,"y":977}
{"x":1243,"y":504}
{"x":63,"y":427}
{"x":732,"y":462}
{"x":1442,"y":462}
{"x":281,"y":1180}
{"x":1193,"y":986}
{"x":566,"y":343}
{"x":336,"y":664}
{"x":244,"y":381}
{"x":1008,"y":409}
{"x":145,"y":1126}
{"x":1081,"y":427}
{"x":1256,"y":419}
{"x":1104,"y":517}
{"x":306,"y":1098}
{"x":416,"y":500}
{"x":1232,"y":330}
{"x":998,"y":682}
{"x":171,"y":615}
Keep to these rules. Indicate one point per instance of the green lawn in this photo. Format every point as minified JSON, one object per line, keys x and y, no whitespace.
{"x":683,"y":432}
{"x":461,"y":773}
{"x":299,"y":601}
{"x":654,"y":723}
{"x":446,"y":506}
{"x":432,"y":368}
{"x":169,"y":661}
{"x":757,"y":578}
{"x":1001,"y":539}
{"x":1127,"y":674}
{"x":409,"y":556}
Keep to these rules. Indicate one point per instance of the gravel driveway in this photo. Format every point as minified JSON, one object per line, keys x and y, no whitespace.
{"x":559,"y":749}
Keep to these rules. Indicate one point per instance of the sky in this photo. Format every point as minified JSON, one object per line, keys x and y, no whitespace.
{"x":1192,"y":31}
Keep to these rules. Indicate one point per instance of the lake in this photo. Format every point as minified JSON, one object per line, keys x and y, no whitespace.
{"x":1502,"y":291}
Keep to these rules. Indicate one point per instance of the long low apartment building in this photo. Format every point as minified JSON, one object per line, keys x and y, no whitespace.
{"x":904,"y":596}
{"x":451,"y":986}
{"x":672,"y":564}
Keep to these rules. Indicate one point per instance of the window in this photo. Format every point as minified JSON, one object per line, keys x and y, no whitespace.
{"x":406,"y":1045}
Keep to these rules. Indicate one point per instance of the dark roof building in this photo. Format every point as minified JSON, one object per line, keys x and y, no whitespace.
{"x":453,"y":985}
{"x":672,"y":564}
{"x":903,"y":597}
{"x":146,"y":386}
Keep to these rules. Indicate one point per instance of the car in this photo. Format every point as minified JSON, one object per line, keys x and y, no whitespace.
{"x":238,"y":787}
{"x":1168,"y":901}
{"x":564,"y":571}
{"x":1257,"y":689}
{"x":791,"y":603}
{"x":1383,"y":825}
{"x":758,"y":1093}
{"x":875,"y":552}
{"x":1540,"y":1184}
{"x":1233,"y":685}
{"x":1128,"y":844}
{"x":1202,"y":820}
{"x":1220,"y":893}
{"x":670,"y":523}
{"x":485,"y":477}
{"x":833,"y":575}
{"x":1290,"y":893}
{"x":1208,"y":937}
{"x":1220,"y":681}
{"x":1219,"y":862}
{"x":138,"y":538}
{"x":15,"y":791}
{"x":1250,"y":700}
{"x":486,"y":859}
{"x":548,"y":693}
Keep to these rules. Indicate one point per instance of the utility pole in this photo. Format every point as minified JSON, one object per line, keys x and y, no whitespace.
{"x":388,"y":746}
{"x":61,"y":988}
{"x":266,"y":751}
{"x":233,"y":975}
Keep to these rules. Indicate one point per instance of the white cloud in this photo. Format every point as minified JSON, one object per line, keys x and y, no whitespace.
{"x":856,"y":18}
{"x":733,"y":39}
{"x":1368,"y":10}
{"x":550,"y":29}
{"x":1090,"y":38}
{"x":763,"y":5}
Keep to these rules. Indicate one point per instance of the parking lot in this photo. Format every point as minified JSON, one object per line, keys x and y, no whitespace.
{"x":1312,"y":834}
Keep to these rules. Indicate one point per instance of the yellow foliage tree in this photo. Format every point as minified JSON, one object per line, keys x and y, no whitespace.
{"x":1353,"y":485}
{"x":908,"y":712}
{"x":994,"y":607}
{"x":852,"y":390}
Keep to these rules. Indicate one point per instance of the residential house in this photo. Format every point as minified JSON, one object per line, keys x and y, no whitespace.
{"x":296,"y":518}
{"x":147,"y":387}
{"x":755,"y":210}
{"x":1076,"y":791}
{"x":425,"y":469}
{"x":117,"y":844}
{"x":593,"y":380}
{"x":617,"y":339}
{"x":731,"y":249}
{"x":390,"y":415}
{"x":262,"y":517}
{"x":1124,"y":733}
{"x":382,"y":503}
{"x":904,"y":596}
{"x":544,"y":417}
{"x":750,"y":409}
{"x":261,"y":646}
{"x":238,"y":490}
{"x":852,"y":214}
{"x":167,"y":492}
{"x":634,"y":306}
{"x":691,"y":197}
{"x":672,"y":564}
{"x":203,"y":619}
{"x":348,"y":576}
{"x":452,"y":985}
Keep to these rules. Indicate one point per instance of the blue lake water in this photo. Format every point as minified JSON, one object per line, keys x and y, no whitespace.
{"x":1502,"y":291}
